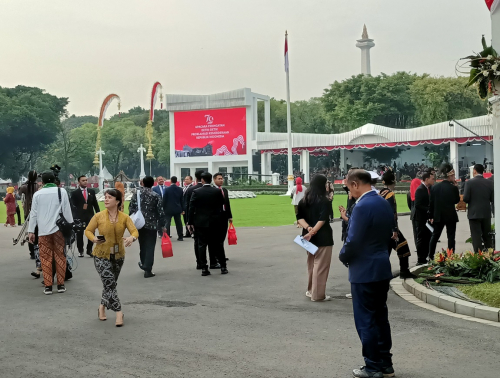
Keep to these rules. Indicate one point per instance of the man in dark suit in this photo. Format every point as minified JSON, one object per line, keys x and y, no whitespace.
{"x":188,"y":182}
{"x":421,"y":216}
{"x":365,"y":253}
{"x":187,"y":203}
{"x":478,"y":194}
{"x":160,"y":190}
{"x":227,"y":215}
{"x":83,"y":205}
{"x":443,"y":212}
{"x":205,"y":217}
{"x":173,"y":205}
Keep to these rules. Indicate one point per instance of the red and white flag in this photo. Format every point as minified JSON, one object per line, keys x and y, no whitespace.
{"x":492,"y":4}
{"x":286,"y":51}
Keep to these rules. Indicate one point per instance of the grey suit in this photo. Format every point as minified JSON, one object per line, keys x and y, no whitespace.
{"x":478,"y":194}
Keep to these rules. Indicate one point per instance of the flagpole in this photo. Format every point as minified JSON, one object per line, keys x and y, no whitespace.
{"x":288,"y":119}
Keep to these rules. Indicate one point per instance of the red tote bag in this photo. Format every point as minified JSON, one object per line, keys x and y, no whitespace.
{"x":232,"y":239}
{"x":166,"y":246}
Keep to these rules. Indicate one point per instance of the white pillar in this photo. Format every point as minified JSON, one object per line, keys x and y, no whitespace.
{"x":454,"y":157}
{"x":101,"y":172}
{"x":210,"y":167}
{"x":488,"y":152}
{"x":304,"y":165}
{"x":342,"y":160}
{"x":265,"y":164}
{"x":267,"y":116}
{"x":229,"y":175}
{"x":365,"y":44}
{"x":141,"y":151}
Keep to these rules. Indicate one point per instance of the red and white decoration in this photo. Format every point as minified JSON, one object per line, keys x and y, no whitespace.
{"x":492,"y":5}
{"x":105,"y":105}
{"x":286,"y":52}
{"x":157,"y":88}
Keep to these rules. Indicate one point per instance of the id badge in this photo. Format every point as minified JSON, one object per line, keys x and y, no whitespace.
{"x":116,"y":248}
{"x":85,"y":207}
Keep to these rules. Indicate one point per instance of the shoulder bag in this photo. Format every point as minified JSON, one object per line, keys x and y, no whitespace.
{"x":137,"y":217}
{"x":64,"y":226}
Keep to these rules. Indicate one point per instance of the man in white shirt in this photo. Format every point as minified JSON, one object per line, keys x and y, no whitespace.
{"x":45,"y":210}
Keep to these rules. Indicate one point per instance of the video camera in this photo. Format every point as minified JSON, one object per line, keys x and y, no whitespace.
{"x":56,"y":170}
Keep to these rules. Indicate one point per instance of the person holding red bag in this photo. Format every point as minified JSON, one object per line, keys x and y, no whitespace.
{"x":227,"y":216}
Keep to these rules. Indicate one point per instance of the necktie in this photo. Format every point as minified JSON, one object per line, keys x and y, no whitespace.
{"x":223,"y":206}
{"x":85,"y":194}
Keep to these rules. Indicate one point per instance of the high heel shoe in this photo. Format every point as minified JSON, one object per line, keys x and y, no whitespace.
{"x":119,"y":323}
{"x":102,"y":318}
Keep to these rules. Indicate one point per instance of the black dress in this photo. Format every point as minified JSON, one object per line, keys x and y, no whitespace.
{"x":313,"y":213}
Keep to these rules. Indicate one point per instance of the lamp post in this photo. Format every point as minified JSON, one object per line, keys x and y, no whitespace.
{"x":141,"y":151}
{"x":100,"y":152}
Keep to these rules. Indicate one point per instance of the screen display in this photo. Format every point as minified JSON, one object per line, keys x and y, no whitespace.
{"x":218,"y":132}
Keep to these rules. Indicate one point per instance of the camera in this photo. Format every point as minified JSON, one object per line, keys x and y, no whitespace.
{"x":56,"y":169}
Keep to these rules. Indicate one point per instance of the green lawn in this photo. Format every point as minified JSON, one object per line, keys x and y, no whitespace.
{"x":265,"y":210}
{"x":488,"y":293}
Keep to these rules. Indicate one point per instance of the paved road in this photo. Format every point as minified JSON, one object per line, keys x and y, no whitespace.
{"x":254,"y":322}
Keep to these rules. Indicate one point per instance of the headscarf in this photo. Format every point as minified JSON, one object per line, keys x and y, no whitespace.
{"x":10,"y":190}
{"x":298,"y":181}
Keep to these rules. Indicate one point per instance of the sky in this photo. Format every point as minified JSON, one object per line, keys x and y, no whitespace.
{"x":85,"y":50}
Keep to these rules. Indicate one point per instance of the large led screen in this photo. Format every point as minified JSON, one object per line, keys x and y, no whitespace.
{"x":210,"y":132}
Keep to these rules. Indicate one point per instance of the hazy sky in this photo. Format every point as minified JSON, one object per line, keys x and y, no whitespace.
{"x":87,"y":49}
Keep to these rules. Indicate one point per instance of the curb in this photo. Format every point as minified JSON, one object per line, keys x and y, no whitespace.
{"x":433,"y":300}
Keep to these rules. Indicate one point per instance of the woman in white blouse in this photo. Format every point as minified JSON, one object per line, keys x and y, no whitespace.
{"x":297,"y":194}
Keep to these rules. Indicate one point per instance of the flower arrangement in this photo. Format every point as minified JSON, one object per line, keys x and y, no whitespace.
{"x":483,"y":265}
{"x":484,"y":70}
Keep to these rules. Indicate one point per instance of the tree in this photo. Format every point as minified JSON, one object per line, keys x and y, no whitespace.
{"x":74,"y":121}
{"x":29,"y":121}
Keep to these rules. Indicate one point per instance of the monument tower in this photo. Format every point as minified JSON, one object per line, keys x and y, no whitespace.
{"x":365,"y":44}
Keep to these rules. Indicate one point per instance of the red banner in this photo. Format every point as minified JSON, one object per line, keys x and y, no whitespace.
{"x":220,"y":132}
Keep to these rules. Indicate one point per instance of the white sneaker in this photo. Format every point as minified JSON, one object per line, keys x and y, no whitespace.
{"x":327,"y":298}
{"x":308,"y":294}
{"x":348,"y":296}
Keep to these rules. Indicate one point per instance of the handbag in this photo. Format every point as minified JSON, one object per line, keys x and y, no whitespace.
{"x":166,"y":246}
{"x":232,"y":239}
{"x":64,"y":226}
{"x":137,"y":217}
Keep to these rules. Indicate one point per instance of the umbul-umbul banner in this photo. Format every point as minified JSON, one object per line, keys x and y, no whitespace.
{"x":492,"y":4}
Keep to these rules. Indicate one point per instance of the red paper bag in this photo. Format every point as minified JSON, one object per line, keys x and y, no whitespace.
{"x":232,"y":239}
{"x":166,"y":246}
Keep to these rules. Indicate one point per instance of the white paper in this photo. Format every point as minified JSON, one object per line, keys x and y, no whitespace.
{"x":429,"y":227}
{"x":307,"y":245}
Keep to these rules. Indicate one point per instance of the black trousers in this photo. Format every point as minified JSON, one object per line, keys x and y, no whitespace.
{"x":184,"y":216}
{"x":178,"y":224}
{"x":208,"y":238}
{"x":479,"y":230}
{"x":369,"y":302}
{"x":18,"y":212}
{"x":147,"y":244}
{"x":414,"y":226}
{"x":423,"y":242}
{"x":451,"y":230}
{"x":80,"y":241}
{"x":222,"y":234}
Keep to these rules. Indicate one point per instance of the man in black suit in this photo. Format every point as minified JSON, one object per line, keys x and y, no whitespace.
{"x":173,"y":204}
{"x":83,"y":205}
{"x":443,"y":212}
{"x":160,"y":190}
{"x":188,"y":182}
{"x":187,"y":202}
{"x":205,"y":218}
{"x":478,"y":194}
{"x":227,"y":216}
{"x":421,"y":216}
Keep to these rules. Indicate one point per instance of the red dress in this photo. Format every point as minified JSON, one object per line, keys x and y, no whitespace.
{"x":10,"y":202}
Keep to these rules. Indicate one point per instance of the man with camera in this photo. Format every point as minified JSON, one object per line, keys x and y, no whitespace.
{"x":84,"y":203}
{"x":50,"y":205}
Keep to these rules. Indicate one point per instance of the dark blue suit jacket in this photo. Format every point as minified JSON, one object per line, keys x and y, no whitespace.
{"x":173,"y":203}
{"x":156,"y":189}
{"x":366,"y":249}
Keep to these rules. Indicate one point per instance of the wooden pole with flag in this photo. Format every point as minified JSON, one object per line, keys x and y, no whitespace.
{"x":288,"y":119}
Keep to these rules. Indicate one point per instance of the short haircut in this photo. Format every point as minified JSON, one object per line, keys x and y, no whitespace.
{"x":148,"y":182}
{"x":48,"y":178}
{"x":426,"y":175}
{"x":82,"y":176}
{"x":218,"y":174}
{"x":479,"y":168}
{"x":207,"y":177}
{"x":198,"y":174}
{"x":359,"y":175}
{"x":117,"y":194}
{"x":173,"y":180}
{"x":191,"y":177}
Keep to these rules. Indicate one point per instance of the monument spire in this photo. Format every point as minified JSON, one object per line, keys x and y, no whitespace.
{"x":365,"y":44}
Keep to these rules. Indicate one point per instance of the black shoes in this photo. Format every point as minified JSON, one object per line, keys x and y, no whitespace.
{"x":35,"y":274}
{"x":187,"y":235}
{"x":224,"y":271}
{"x":205,"y":271}
{"x":48,"y":290}
{"x":362,"y":373}
{"x":216,"y":266}
{"x":180,"y":239}
{"x":140,"y":265}
{"x":81,"y":254}
{"x":199,"y":267}
{"x":404,"y":274}
{"x":388,"y":372}
{"x":61,"y":288}
{"x":89,"y":254}
{"x":149,"y":274}
{"x":32,"y":256}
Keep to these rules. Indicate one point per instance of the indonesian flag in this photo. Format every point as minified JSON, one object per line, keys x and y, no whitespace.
{"x":286,"y":50}
{"x":492,"y":5}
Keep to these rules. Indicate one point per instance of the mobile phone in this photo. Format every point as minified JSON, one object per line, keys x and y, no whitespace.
{"x":101,"y":238}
